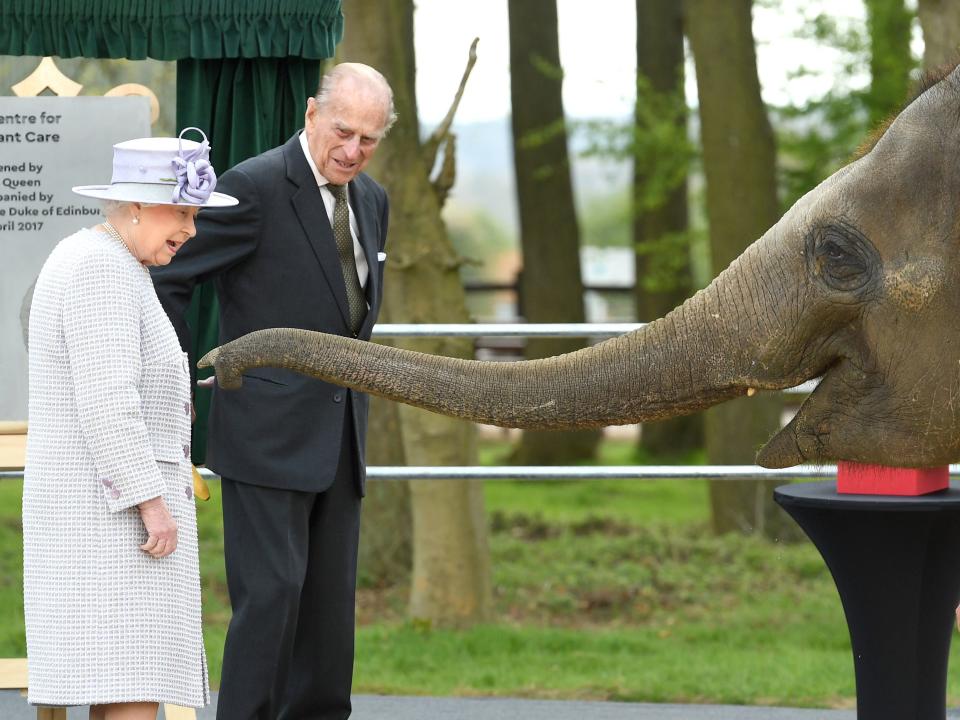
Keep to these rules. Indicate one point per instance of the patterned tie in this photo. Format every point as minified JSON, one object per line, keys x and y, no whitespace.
{"x":356,"y":300}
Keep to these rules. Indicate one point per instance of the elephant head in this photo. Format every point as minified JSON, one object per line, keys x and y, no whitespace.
{"x":858,"y":282}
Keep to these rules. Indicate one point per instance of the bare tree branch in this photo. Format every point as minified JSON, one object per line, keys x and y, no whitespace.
{"x":432,"y":145}
{"x":448,"y":170}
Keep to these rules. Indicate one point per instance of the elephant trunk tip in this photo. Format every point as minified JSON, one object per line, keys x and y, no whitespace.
{"x":209,"y":360}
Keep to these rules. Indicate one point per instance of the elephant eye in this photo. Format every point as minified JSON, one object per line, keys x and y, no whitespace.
{"x":842,"y":259}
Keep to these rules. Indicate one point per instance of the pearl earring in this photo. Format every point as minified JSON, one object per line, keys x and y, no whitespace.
{"x":136,"y":221}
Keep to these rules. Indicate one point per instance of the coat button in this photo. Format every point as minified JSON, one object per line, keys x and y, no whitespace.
{"x":107,"y":483}
{"x":338,"y":396}
{"x":186,"y":451}
{"x":188,"y":491}
{"x":186,"y":409}
{"x":115,"y":493}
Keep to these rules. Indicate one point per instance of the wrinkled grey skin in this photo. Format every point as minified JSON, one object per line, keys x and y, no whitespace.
{"x":859,"y":282}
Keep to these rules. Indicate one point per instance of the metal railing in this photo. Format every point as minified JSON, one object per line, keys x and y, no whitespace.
{"x":580,"y":472}
{"x":576,"y":472}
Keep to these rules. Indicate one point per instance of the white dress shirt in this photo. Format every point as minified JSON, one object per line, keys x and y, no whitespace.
{"x":363,"y":269}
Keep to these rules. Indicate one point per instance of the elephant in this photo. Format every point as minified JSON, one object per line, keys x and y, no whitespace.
{"x":858,"y":282}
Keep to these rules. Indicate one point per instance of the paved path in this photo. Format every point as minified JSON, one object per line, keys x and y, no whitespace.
{"x":375,"y":707}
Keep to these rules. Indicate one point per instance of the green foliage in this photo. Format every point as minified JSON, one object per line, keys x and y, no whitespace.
{"x":479,"y":239}
{"x":816,"y":138}
{"x":888,"y":22}
{"x":605,"y":221}
{"x":668,"y":267}
{"x":655,"y":140}
{"x":550,"y":70}
{"x":657,"y":145}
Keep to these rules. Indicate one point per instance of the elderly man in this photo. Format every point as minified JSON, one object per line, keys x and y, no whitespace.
{"x":303,"y":248}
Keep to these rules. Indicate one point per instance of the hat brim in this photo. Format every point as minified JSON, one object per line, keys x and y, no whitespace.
{"x":150,"y":193}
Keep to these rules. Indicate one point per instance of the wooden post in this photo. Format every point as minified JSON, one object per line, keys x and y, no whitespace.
{"x":51,"y":713}
{"x":175,"y":712}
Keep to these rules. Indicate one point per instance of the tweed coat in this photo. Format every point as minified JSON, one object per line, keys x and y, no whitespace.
{"x":109,"y":427}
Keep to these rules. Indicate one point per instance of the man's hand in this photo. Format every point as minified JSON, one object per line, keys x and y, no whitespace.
{"x":161,"y":528}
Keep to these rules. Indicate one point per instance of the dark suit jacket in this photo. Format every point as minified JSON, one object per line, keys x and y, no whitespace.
{"x":274,"y":262}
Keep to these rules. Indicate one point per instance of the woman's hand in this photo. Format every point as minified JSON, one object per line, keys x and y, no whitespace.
{"x":161,"y":528}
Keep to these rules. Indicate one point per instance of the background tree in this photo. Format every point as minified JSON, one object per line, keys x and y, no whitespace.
{"x":385,"y":556}
{"x":660,"y":158}
{"x":940,"y":21}
{"x":451,"y":566}
{"x":818,"y":136}
{"x":551,"y":285}
{"x":739,"y":164}
{"x":888,"y":23}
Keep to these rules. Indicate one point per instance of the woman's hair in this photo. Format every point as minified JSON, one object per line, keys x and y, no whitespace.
{"x":110,"y":207}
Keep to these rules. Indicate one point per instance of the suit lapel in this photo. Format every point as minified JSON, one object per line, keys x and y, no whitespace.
{"x":308,"y":206}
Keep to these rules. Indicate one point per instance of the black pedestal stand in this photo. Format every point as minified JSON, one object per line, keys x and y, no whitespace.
{"x":896,"y":563}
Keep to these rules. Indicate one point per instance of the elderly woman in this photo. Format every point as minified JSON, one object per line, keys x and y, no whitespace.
{"x":111,"y":577}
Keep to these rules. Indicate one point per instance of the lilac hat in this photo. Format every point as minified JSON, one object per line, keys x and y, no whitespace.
{"x":162,"y":171}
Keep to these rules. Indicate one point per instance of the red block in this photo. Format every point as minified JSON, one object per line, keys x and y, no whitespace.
{"x":857,"y":479}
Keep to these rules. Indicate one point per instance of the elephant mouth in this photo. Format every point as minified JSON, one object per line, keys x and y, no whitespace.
{"x":808,"y":436}
{"x":784,"y":449}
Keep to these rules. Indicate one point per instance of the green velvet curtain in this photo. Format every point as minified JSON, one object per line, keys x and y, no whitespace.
{"x":245,"y":107}
{"x":171,"y":29}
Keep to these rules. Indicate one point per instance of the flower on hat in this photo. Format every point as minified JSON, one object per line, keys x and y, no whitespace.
{"x":194,"y":174}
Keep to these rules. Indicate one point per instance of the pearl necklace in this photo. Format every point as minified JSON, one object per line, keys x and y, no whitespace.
{"x":115,"y":234}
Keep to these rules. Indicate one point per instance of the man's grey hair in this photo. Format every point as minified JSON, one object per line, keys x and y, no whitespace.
{"x":362,"y":72}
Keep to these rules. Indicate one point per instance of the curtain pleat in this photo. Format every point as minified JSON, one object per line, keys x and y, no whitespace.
{"x":171,"y":29}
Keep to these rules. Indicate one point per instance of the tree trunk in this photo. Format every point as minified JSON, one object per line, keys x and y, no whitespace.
{"x":386,"y":524}
{"x":739,"y":164}
{"x":451,"y":566}
{"x":888,"y":22}
{"x":551,"y":284}
{"x":940,"y":20}
{"x":655,"y":219}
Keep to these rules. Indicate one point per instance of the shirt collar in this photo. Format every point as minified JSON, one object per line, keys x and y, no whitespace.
{"x":321,"y":180}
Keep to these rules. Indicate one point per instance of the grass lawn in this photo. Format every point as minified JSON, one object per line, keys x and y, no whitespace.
{"x":603,"y":589}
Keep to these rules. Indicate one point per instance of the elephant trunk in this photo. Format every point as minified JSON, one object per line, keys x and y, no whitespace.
{"x":694,"y":357}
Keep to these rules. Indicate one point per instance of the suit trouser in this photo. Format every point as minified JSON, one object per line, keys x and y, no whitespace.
{"x":291,"y":561}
